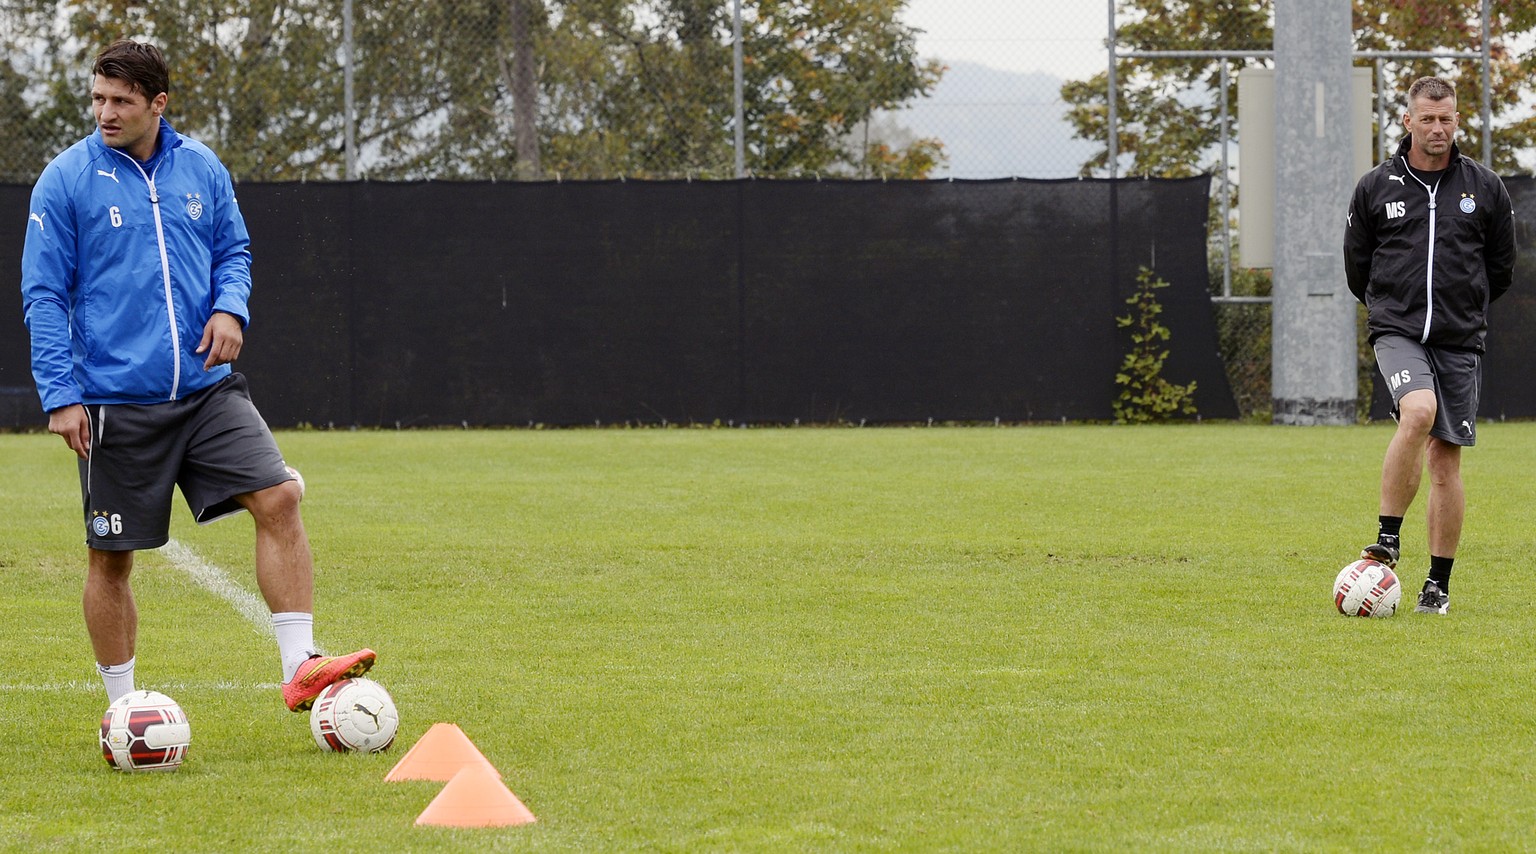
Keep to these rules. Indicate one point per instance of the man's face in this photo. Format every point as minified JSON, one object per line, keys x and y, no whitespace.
{"x":128,"y":120}
{"x":1432,"y":124}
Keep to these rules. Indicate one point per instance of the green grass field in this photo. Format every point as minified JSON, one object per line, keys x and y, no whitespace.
{"x":1048,"y":638}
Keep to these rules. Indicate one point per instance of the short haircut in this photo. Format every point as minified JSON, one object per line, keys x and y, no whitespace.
{"x":1433,"y":88}
{"x":141,"y":64}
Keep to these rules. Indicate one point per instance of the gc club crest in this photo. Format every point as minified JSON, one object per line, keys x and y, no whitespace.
{"x":101,"y":526}
{"x":1468,"y":203}
{"x":194,"y":205}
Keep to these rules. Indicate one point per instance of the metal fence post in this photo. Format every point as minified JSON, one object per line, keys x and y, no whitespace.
{"x":349,"y":108}
{"x":1487,"y":116}
{"x":1381,"y":111}
{"x":739,"y":74}
{"x":1226,"y":187}
{"x":1114,"y":132}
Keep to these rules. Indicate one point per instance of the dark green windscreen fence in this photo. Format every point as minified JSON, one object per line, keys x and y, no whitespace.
{"x":746,"y":301}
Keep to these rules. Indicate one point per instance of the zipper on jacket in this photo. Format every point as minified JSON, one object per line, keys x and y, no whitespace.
{"x":1429,"y":271}
{"x":165,"y":273}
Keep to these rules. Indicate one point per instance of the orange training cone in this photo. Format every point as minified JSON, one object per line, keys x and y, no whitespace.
{"x":439,"y":755}
{"x":476,"y":797}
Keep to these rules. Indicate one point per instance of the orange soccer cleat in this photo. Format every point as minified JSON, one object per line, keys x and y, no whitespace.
{"x":320,"y":671}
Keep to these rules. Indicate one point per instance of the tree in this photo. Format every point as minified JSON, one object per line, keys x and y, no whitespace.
{"x":638,"y":89}
{"x":1167,"y":131}
{"x":645,"y":88}
{"x":235,"y":68}
{"x":45,"y":98}
{"x":490,"y":89}
{"x":819,"y":70}
{"x":1457,"y":26}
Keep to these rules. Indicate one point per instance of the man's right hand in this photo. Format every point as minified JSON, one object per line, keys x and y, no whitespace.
{"x":74,"y":425}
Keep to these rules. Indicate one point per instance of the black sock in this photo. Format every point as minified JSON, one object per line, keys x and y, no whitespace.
{"x":1440,"y":571}
{"x":1391,"y":531}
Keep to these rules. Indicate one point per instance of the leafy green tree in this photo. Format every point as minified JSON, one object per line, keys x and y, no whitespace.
{"x":641,"y":89}
{"x":1437,"y":25}
{"x":809,"y":90}
{"x":45,"y":101}
{"x":434,"y":87}
{"x":238,"y":68}
{"x":645,"y":88}
{"x":1168,"y":131}
{"x":498,"y":89}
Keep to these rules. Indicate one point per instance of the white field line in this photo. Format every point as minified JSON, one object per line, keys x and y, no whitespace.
{"x":93,"y":686}
{"x":213,"y":579}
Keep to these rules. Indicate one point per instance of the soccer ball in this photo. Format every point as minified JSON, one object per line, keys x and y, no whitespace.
{"x":354,"y":715}
{"x":1367,"y":588}
{"x":145,"y":731}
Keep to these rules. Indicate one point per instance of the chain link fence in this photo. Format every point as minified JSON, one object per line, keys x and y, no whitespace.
{"x":492,"y":89}
{"x":575,"y":89}
{"x":319,"y":90}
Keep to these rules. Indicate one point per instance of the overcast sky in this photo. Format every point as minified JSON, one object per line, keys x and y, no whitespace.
{"x":1063,"y":38}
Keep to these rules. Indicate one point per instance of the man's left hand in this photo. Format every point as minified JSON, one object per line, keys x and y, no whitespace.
{"x":222,"y":339}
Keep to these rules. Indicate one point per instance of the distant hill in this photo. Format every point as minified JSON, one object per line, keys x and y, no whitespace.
{"x":994,"y":124}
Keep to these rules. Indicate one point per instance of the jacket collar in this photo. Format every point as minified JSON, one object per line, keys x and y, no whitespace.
{"x":1402,"y":151}
{"x":166,"y":140}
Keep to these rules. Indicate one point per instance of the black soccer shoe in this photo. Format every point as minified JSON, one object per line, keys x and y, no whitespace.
{"x":1381,"y":554}
{"x":1432,"y":600}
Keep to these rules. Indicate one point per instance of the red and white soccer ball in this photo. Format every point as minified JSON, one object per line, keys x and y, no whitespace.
{"x":1367,"y":588}
{"x":354,"y":715}
{"x":145,"y":731}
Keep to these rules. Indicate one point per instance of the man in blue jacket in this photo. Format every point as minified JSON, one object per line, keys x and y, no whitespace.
{"x":135,"y":277}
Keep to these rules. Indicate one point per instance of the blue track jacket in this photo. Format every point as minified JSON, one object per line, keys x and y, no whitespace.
{"x":124,"y":264}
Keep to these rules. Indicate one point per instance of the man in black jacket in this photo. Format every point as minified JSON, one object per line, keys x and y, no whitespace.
{"x":1429,"y":243}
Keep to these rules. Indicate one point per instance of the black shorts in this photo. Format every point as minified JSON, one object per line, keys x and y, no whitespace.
{"x":1455,"y":376}
{"x":212,"y":443}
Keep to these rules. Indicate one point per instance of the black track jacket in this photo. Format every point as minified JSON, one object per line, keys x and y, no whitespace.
{"x":1427,"y":260}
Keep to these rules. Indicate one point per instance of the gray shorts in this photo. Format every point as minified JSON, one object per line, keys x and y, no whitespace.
{"x":212,"y":443}
{"x":1455,"y":376}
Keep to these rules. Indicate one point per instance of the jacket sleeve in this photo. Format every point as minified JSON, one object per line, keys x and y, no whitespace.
{"x":1359,"y":239}
{"x":48,"y":265}
{"x":231,"y":253}
{"x":1499,"y":250}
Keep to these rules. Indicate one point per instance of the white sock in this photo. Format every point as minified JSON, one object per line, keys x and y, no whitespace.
{"x":118,"y":678}
{"x":295,"y":639}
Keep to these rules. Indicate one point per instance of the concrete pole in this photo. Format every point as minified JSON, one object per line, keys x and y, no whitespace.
{"x":1314,"y":374}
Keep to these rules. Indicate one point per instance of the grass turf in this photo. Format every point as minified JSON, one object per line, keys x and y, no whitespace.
{"x":1050,"y":638}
